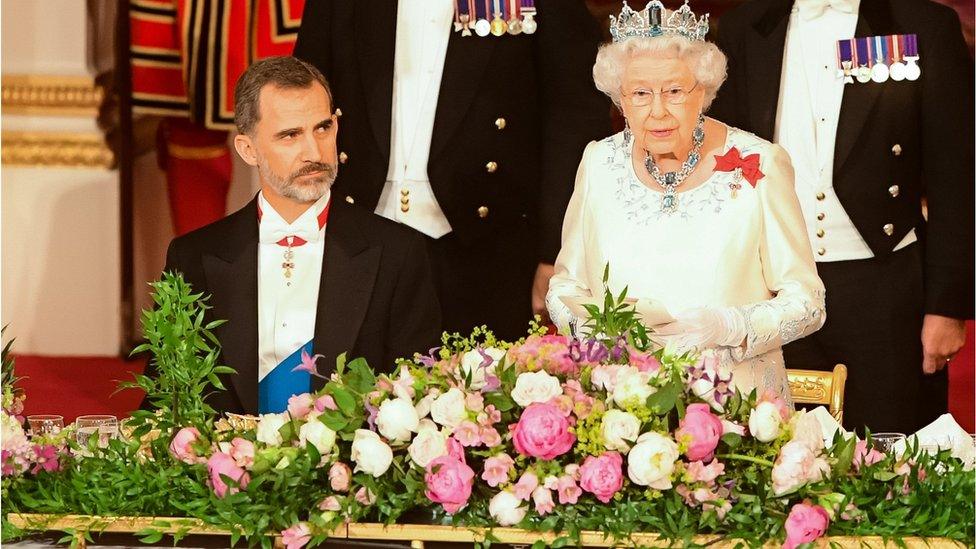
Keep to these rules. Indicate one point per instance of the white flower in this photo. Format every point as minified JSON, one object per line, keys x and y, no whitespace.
{"x":428,"y":445}
{"x":423,"y":407}
{"x":651,"y":461}
{"x":535,"y":387}
{"x":807,"y":430}
{"x":765,"y":422}
{"x":370,"y":453}
{"x":633,"y":387}
{"x":619,"y":430}
{"x":448,"y":409}
{"x":397,"y":419}
{"x":506,"y":508}
{"x":268,"y":426}
{"x":315,"y":432}
{"x":471,"y":364}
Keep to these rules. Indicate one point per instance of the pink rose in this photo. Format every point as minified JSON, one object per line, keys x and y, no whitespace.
{"x":490,"y":437}
{"x":468,"y":433}
{"x":602,"y":476}
{"x":543,"y":432}
{"x":365,"y":496}
{"x":182,"y":445}
{"x":496,"y":469}
{"x":325,"y":402}
{"x":339,"y":477}
{"x":702,"y":429}
{"x":526,"y":484}
{"x":221,"y":465}
{"x":242,"y":450}
{"x":865,"y":456}
{"x":297,"y":536}
{"x":542,"y":498}
{"x":300,"y":405}
{"x":806,"y":523}
{"x":449,"y":483}
{"x":568,"y":490}
{"x":330,"y":503}
{"x":699,"y":472}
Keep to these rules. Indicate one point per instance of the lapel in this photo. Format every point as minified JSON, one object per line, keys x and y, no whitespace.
{"x":464,"y":66}
{"x":766,"y":60}
{"x":375,"y":35}
{"x":349,"y":269}
{"x":233,"y":269}
{"x":874,"y":18}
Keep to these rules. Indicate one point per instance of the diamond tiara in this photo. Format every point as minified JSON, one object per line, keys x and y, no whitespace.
{"x":655,"y":20}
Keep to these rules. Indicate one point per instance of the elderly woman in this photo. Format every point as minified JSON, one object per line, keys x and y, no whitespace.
{"x":688,"y":212}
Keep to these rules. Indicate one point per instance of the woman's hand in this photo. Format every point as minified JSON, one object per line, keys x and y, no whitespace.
{"x":703,"y":328}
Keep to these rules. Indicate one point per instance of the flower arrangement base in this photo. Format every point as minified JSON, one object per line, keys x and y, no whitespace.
{"x":417,"y":534}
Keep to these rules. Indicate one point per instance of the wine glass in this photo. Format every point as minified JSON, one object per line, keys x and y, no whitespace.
{"x":45,"y":424}
{"x":886,"y":442}
{"x":106,"y":426}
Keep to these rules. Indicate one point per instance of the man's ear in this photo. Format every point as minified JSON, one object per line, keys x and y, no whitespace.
{"x":245,"y":148}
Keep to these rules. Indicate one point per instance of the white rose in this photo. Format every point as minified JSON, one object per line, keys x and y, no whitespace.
{"x":506,"y":508}
{"x":397,"y":419}
{"x":448,"y":409}
{"x":370,"y":453}
{"x":471,"y":364}
{"x":535,"y":387}
{"x":315,"y":432}
{"x":428,"y":445}
{"x":632,"y":387}
{"x":651,"y":461}
{"x":619,"y":430}
{"x":765,"y":422}
{"x":268,"y":426}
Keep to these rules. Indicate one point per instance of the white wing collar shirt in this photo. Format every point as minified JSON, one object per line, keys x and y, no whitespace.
{"x":811,"y":91}
{"x":422,"y":32}
{"x":290,"y":260}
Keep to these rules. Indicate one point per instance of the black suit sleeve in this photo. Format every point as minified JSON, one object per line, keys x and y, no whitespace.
{"x":573,"y":111}
{"x":947,"y":167}
{"x":314,"y":42}
{"x":415,"y":318}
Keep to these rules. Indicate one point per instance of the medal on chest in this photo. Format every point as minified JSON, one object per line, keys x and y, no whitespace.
{"x":879,"y":72}
{"x":912,"y":70}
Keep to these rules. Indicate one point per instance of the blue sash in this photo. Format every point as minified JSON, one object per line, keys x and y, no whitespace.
{"x":282,"y":383}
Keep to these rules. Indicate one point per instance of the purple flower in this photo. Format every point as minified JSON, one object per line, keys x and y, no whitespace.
{"x":45,"y":459}
{"x":590,"y":351}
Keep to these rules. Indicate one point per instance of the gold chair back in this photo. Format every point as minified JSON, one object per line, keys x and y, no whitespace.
{"x":816,"y":387}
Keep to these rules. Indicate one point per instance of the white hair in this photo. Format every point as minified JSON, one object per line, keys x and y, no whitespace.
{"x":706,"y":60}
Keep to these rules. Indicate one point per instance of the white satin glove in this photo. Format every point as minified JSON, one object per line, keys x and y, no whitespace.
{"x":703,"y":328}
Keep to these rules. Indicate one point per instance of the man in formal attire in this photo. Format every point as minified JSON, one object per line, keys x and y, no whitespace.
{"x":295,"y":272}
{"x":868,"y":156}
{"x":472,"y":140}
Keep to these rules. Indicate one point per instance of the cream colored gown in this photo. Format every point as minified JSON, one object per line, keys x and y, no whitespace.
{"x":749,"y":252}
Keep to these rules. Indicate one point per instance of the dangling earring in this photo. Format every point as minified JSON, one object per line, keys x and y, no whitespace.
{"x":627,"y":134}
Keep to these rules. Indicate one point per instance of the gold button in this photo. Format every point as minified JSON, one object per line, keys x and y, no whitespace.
{"x":820,"y":233}
{"x":483,"y":212}
{"x":894,"y":190}
{"x":896,"y":149}
{"x":404,"y":192}
{"x":888,"y":229}
{"x":350,"y":200}
{"x":821,"y":196}
{"x":492,"y":166}
{"x":821,"y":216}
{"x":500,"y":123}
{"x":404,"y":208}
{"x":821,"y":251}
{"x":338,"y":113}
{"x":404,"y":201}
{"x":343,"y":157}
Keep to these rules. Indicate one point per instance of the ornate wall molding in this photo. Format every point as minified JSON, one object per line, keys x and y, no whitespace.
{"x":51,"y":95}
{"x":67,"y":150}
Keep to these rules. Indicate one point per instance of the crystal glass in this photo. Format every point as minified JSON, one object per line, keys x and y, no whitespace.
{"x":106,"y":426}
{"x":45,"y":424}
{"x":886,"y":442}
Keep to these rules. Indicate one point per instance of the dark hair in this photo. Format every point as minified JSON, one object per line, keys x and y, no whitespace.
{"x":283,"y":72}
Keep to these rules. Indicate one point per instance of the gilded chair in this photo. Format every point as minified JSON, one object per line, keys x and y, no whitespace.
{"x":816,"y":387}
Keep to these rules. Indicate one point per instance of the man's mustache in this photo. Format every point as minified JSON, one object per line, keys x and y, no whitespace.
{"x":308,"y":169}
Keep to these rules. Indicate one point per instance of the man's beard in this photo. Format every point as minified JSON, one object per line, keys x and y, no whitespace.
{"x":309,"y":189}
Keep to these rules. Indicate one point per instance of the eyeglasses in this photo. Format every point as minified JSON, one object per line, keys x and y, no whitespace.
{"x":672,"y":96}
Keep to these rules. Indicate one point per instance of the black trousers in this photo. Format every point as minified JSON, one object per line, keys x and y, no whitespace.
{"x":875,"y":309}
{"x":486,"y":283}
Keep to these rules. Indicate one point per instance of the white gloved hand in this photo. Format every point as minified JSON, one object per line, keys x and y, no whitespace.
{"x":703,"y":328}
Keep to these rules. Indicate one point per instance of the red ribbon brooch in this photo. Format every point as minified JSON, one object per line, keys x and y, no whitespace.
{"x":732,"y":160}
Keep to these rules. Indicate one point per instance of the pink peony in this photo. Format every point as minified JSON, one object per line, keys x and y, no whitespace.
{"x":297,"y":536}
{"x":604,"y":377}
{"x":449,"y":483}
{"x":806,"y":523}
{"x":864,"y":456}
{"x":542,"y":498}
{"x":300,"y":405}
{"x":340,"y":477}
{"x":569,"y":491}
{"x":526,"y":484}
{"x":497,"y":469}
{"x":455,"y":450}
{"x":222,"y":465}
{"x":325,"y":402}
{"x":702,"y":429}
{"x":699,"y":472}
{"x":543,"y":432}
{"x":242,"y":450}
{"x":797,"y":465}
{"x":602,"y":476}
{"x":181,"y":447}
{"x":468,"y":433}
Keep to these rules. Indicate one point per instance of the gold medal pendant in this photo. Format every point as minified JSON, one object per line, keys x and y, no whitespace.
{"x":514,"y":26}
{"x":288,"y":265}
{"x":498,"y":25}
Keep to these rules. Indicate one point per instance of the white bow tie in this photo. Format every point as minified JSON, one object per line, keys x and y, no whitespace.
{"x":810,"y":9}
{"x":273,"y":235}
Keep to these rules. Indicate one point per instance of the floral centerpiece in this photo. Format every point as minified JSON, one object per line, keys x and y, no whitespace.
{"x":549,"y":433}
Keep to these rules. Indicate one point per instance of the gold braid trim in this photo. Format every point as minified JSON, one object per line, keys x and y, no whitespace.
{"x":55,"y":150}
{"x":51,"y":95}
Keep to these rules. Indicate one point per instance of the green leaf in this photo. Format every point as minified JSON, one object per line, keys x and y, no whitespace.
{"x":343,"y":398}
